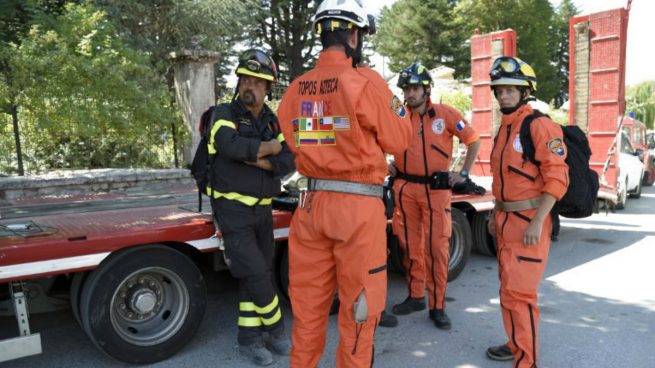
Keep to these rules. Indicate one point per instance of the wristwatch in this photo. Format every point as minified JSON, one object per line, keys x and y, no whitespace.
{"x":464,"y":173}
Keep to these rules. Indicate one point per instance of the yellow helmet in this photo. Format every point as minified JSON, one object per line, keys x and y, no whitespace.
{"x":257,"y":63}
{"x":512,"y":71}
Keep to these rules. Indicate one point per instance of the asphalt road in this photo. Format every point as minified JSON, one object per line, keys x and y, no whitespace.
{"x":597,"y":310}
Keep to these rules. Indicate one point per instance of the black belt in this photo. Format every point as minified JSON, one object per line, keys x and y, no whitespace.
{"x":438,"y":179}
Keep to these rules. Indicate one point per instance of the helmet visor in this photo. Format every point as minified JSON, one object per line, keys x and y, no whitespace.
{"x":256,"y":61}
{"x":504,"y":67}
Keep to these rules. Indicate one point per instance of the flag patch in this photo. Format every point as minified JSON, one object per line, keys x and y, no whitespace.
{"x":318,"y":138}
{"x":461,"y":125}
{"x":341,"y":122}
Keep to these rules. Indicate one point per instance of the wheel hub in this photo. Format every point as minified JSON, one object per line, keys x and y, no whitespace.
{"x":141,"y":298}
{"x":143,"y":301}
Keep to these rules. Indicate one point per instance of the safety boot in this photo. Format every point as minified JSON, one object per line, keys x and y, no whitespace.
{"x":408,"y":306}
{"x":279,"y":344}
{"x":256,"y":353}
{"x":440,"y":319}
{"x":501,"y":353}
{"x":387,"y":320}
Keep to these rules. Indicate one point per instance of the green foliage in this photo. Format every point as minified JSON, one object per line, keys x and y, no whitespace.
{"x":159,"y":27}
{"x":86,"y":99}
{"x":641,"y":99}
{"x":458,"y":100}
{"x":565,"y":10}
{"x":286,"y":26}
{"x":532,"y":21}
{"x":425,"y":31}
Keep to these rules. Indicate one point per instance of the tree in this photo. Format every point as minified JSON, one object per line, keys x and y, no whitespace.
{"x":159,"y":27}
{"x":425,"y":31}
{"x":641,"y":100}
{"x":15,"y":20}
{"x":532,"y":21}
{"x":286,"y":27}
{"x":565,"y":10}
{"x":89,"y":100}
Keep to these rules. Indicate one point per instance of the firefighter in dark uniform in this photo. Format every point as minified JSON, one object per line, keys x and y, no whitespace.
{"x":250,"y":158}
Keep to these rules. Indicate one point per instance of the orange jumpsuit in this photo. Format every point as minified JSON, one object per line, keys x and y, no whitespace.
{"x":342,"y":120}
{"x":521,"y":267}
{"x":422,"y":219}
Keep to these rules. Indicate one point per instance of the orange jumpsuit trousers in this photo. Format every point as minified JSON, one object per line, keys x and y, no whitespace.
{"x":520,"y":269}
{"x":337,"y":240}
{"x":423,"y":225}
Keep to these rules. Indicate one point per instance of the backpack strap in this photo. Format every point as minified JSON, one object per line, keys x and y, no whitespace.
{"x":526,"y":137}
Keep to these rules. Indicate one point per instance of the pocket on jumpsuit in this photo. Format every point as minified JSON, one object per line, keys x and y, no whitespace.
{"x":375,"y":291}
{"x":529,"y":267}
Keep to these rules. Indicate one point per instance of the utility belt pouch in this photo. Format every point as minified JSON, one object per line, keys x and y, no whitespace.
{"x":439,"y":180}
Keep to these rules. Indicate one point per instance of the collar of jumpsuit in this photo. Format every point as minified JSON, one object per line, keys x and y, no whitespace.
{"x":332,"y":57}
{"x":520,"y":114}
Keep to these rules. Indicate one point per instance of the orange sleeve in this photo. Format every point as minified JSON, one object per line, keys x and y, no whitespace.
{"x":383,"y":113}
{"x":550,"y":150}
{"x":458,"y":126}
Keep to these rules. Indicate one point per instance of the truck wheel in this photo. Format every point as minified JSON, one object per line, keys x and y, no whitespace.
{"x":460,"y":244}
{"x":75,"y":291}
{"x":637,"y":192}
{"x":282,"y":276}
{"x":144,"y":304}
{"x":395,"y":259}
{"x":649,"y":176}
{"x":622,"y":196}
{"x":483,"y":242}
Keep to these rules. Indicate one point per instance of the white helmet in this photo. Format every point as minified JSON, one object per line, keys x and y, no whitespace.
{"x":350,"y":11}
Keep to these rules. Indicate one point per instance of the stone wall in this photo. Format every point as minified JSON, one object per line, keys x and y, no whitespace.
{"x":93,"y":182}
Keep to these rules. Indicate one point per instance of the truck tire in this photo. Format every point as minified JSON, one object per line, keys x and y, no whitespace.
{"x":75,"y":291}
{"x":622,"y":196}
{"x":395,"y":258}
{"x":460,"y":247}
{"x":282,"y":274}
{"x":637,"y":192}
{"x":144,"y":304}
{"x":483,"y":242}
{"x":460,"y":244}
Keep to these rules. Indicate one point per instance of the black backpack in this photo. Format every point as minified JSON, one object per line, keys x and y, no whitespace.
{"x":580,"y":198}
{"x":202,"y":160}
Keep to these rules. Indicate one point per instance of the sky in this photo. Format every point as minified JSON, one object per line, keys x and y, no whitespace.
{"x":639,"y":56}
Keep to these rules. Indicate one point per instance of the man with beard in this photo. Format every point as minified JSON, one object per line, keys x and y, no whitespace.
{"x":250,"y":156}
{"x":422,"y":219}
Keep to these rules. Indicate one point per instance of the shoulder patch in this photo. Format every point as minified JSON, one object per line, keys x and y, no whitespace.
{"x":438,"y":126}
{"x":398,"y":107}
{"x":556,"y":146}
{"x":461,"y":125}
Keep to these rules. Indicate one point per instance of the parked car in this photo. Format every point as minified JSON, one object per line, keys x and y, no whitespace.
{"x":631,"y":171}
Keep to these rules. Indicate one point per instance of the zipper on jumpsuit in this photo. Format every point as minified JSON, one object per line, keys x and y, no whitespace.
{"x":427,"y":197}
{"x":502,"y":178}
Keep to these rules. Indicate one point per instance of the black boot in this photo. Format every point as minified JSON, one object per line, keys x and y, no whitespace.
{"x":387,"y":320}
{"x":408,"y":306}
{"x":256,"y":353}
{"x":501,"y":353}
{"x":440,"y":319}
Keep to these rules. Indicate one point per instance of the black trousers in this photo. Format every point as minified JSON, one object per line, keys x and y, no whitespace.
{"x":249,"y":250}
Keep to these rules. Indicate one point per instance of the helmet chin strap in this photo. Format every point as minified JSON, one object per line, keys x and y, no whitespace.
{"x":524,"y":100}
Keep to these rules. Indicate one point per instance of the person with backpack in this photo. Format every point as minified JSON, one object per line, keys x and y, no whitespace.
{"x":343,"y":118}
{"x":249,"y":156}
{"x":422,"y":187}
{"x":525,"y":194}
